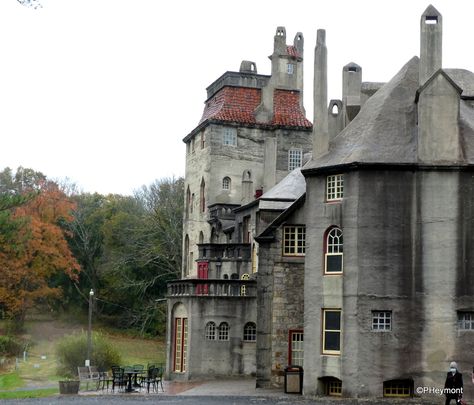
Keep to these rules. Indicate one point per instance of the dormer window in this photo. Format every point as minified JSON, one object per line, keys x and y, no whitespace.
{"x":290,"y":68}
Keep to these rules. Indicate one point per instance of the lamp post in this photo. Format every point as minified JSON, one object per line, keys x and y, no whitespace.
{"x":89,"y":330}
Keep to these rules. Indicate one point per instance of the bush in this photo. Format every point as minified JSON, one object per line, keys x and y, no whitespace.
{"x":10,"y":346}
{"x":72,"y":351}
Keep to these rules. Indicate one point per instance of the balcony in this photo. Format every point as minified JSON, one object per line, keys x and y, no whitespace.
{"x":212,"y":288}
{"x":230,"y":251}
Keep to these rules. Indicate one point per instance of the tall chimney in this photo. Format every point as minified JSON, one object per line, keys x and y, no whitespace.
{"x":320,"y":118}
{"x":431,"y":47}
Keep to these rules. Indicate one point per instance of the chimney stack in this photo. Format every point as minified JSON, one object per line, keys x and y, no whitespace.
{"x":320,"y":117}
{"x":431,"y":37}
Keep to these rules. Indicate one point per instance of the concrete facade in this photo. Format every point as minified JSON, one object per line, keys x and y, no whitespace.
{"x":381,"y":284}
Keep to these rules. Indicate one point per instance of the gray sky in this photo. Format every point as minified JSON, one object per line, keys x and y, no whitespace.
{"x":103,"y":91}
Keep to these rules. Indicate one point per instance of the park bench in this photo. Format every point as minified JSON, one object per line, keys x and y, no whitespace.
{"x":89,"y":375}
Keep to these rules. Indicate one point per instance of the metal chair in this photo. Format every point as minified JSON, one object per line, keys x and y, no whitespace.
{"x":118,"y":378}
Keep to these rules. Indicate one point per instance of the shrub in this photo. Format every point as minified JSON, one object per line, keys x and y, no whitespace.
{"x":72,"y":351}
{"x":10,"y":346}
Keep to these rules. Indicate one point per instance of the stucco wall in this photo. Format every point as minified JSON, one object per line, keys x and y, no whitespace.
{"x":405,"y":250}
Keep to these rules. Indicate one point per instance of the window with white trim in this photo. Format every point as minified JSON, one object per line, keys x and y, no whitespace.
{"x":382,"y":321}
{"x":229,"y":136}
{"x":290,"y":68}
{"x":224,"y":331}
{"x":250,"y":332}
{"x":296,"y":348}
{"x":465,"y":320}
{"x":331,"y":331}
{"x":226,"y":183}
{"x":334,"y":251}
{"x":294,"y":240}
{"x":295,"y":158}
{"x":211,"y":331}
{"x":335,"y":187}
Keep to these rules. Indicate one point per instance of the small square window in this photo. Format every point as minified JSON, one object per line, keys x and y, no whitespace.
{"x":382,"y":321}
{"x":230,"y":137}
{"x":335,"y":187}
{"x":466,"y":320}
{"x":294,"y":240}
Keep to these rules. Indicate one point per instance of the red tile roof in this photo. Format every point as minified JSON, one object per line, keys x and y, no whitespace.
{"x":238,"y":105}
{"x":292,"y":51}
{"x":287,"y":110}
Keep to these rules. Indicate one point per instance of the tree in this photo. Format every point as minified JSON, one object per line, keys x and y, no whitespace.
{"x":35,"y":250}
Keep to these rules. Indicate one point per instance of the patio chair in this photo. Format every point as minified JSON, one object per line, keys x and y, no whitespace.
{"x":140,"y":368}
{"x":118,"y":378}
{"x":150,"y":379}
{"x":159,"y":379}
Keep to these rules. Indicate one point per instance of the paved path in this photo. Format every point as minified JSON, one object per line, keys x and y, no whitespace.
{"x":217,"y":392}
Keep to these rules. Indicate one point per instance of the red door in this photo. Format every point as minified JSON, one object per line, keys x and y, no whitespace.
{"x":203,"y":273}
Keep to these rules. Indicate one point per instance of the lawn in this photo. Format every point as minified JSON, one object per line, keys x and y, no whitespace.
{"x":37,"y":375}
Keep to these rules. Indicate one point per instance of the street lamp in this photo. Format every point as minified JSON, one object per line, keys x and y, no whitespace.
{"x":89,"y":330}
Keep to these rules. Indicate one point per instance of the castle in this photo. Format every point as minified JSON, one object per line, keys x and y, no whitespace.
{"x":344,"y":246}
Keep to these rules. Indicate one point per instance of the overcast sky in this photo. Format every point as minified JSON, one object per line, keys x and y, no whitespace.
{"x":103,"y":91}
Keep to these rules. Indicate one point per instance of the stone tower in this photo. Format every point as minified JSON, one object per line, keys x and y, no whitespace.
{"x":252,"y":132}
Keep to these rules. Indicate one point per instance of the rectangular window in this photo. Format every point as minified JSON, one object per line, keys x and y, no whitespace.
{"x":331,"y":331}
{"x":466,"y":320}
{"x":295,"y":158}
{"x":294,"y":240}
{"x":382,"y":321}
{"x":397,"y":388}
{"x":335,"y":187}
{"x":296,"y":348}
{"x":181,"y":344}
{"x":334,"y":388}
{"x":230,"y":137}
{"x":290,"y":68}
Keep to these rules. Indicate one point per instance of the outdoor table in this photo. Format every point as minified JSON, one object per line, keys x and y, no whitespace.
{"x":130,"y":374}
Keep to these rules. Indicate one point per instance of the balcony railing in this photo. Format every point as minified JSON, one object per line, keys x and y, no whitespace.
{"x":213,"y":288}
{"x":232,"y":251}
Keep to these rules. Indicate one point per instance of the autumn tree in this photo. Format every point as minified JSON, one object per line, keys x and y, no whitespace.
{"x":36,"y":249}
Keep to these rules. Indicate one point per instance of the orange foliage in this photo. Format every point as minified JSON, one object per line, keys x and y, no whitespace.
{"x":38,"y":252}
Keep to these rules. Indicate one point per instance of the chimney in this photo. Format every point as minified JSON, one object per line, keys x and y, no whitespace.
{"x":351,"y":83}
{"x":431,"y":37}
{"x":320,"y":118}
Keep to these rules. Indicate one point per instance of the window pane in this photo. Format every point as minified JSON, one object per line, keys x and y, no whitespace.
{"x":333,"y":263}
{"x":332,"y":341}
{"x":333,"y":320}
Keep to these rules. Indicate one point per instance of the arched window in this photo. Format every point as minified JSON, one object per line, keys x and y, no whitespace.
{"x":247,"y":175}
{"x":201,"y":238}
{"x":224,"y":331}
{"x":226,"y":183}
{"x":250,"y":332}
{"x":202,"y":197}
{"x":188,"y":200}
{"x":243,"y":288}
{"x":333,"y":251}
{"x":211,"y":331}
{"x":186,"y":256}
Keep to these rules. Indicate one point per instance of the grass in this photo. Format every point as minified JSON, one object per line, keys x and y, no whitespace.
{"x":38,"y":393}
{"x":38,"y":373}
{"x":11,"y":381}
